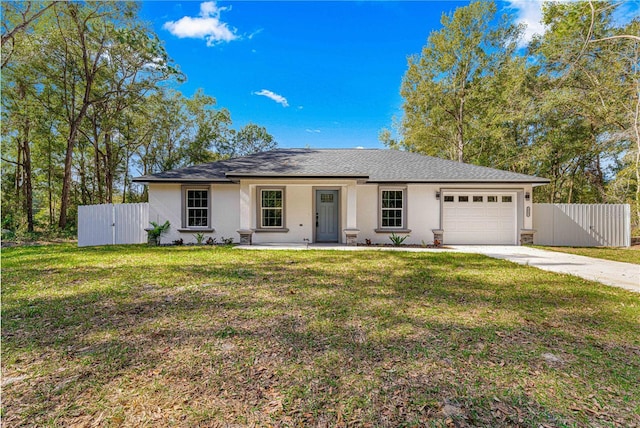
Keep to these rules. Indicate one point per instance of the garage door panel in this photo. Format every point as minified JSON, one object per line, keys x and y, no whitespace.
{"x":480,"y":222}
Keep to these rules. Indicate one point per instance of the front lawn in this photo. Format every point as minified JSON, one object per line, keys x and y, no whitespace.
{"x":188,"y":336}
{"x":627,"y":255}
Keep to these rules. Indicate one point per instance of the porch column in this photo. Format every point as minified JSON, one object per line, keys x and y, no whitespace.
{"x":351,"y":231}
{"x":245,"y":230}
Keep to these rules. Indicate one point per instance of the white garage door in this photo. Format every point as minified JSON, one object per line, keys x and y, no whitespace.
{"x":479,"y":218}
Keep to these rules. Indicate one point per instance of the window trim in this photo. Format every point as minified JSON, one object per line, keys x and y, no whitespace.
{"x":185,"y":209}
{"x":259,"y":225}
{"x":403,"y":227}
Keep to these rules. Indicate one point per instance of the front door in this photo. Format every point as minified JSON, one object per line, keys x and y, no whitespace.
{"x":327,"y":216}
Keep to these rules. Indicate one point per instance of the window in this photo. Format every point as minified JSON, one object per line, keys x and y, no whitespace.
{"x":448,"y":198}
{"x":492,"y":199}
{"x":392,"y":208}
{"x":506,"y":199}
{"x":478,"y":198}
{"x":326,"y":198}
{"x":463,"y":199}
{"x":196,"y":207}
{"x":271,"y":208}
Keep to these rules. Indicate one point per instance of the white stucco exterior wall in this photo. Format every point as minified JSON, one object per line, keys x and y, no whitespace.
{"x":165,"y":204}
{"x":423,"y":213}
{"x":299,"y":206}
{"x":234,"y":207}
{"x":367,"y":217}
{"x":225,"y":201}
{"x":297,"y":211}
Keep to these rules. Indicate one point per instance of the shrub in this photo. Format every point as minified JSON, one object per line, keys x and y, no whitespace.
{"x":397,"y":240}
{"x":156,"y":232}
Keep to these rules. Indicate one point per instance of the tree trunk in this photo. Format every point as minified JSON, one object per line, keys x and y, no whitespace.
{"x":89,"y":71}
{"x":28,"y":188}
{"x":68,"y":158}
{"x":97,"y":163}
{"x":23,"y":179}
{"x":460,"y":133}
{"x":50,"y":182}
{"x":125,"y":181}
{"x":636,"y":128}
{"x":108,"y":166}
{"x":18,"y":177}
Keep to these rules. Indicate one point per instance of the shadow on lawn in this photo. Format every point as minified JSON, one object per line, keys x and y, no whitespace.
{"x":385,"y":337}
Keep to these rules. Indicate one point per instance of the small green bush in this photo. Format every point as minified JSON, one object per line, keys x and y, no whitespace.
{"x":397,"y":240}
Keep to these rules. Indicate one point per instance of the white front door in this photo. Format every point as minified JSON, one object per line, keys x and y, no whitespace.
{"x":327,"y":224}
{"x":480,"y":218}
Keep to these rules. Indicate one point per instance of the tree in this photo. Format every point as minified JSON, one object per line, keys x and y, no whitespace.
{"x":86,"y":99}
{"x":20,"y":102}
{"x":444,"y":100}
{"x":105,"y":56}
{"x":592,"y":74}
{"x":18,"y":16}
{"x":250,"y":139}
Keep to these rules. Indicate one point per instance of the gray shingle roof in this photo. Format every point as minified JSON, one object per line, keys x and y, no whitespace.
{"x":372,"y":165}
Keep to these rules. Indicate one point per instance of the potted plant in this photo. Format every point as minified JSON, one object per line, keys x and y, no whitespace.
{"x":155,"y":233}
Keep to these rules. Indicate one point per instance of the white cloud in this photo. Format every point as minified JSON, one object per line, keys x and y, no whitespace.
{"x":313,"y":131}
{"x":206,"y":26}
{"x":273,"y":96}
{"x":528,"y":12}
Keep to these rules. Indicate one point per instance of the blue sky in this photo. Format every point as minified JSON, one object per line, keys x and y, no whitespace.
{"x":316,"y":73}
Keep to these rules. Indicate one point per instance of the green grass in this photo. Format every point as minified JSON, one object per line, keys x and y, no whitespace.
{"x":627,"y":255}
{"x":188,"y":336}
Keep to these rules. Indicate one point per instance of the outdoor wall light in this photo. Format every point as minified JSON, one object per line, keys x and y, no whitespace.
{"x":437,"y":195}
{"x":527,"y":196}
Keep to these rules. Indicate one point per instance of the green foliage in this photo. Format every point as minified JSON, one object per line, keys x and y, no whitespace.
{"x":443,"y":91}
{"x":397,"y":240}
{"x":199,"y":238}
{"x":157,"y":230}
{"x":566,"y":109}
{"x":226,"y":241}
{"x":250,"y":139}
{"x":79,"y":124}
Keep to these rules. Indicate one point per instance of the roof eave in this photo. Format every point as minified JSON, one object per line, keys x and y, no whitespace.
{"x":539,"y":182}
{"x":147,"y":180}
{"x":294,"y":176}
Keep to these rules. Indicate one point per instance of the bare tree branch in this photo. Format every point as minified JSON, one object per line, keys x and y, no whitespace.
{"x":620,"y":36}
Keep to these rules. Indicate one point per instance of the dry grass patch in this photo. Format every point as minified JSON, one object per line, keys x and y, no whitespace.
{"x":185,"y":336}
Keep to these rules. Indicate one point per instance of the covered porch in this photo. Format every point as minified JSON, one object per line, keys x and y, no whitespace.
{"x":298,"y":212}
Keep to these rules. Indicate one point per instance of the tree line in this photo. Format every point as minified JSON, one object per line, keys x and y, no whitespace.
{"x":566,"y":106}
{"x":89,"y":101}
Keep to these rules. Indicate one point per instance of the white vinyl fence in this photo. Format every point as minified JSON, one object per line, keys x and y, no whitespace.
{"x":582,"y":225}
{"x":108,"y":224}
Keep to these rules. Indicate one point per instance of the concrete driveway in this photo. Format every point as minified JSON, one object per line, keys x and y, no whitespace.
{"x":617,"y":274}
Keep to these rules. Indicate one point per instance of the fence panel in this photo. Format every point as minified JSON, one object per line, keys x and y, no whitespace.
{"x":582,"y":225}
{"x":108,"y":224}
{"x":131,"y":220}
